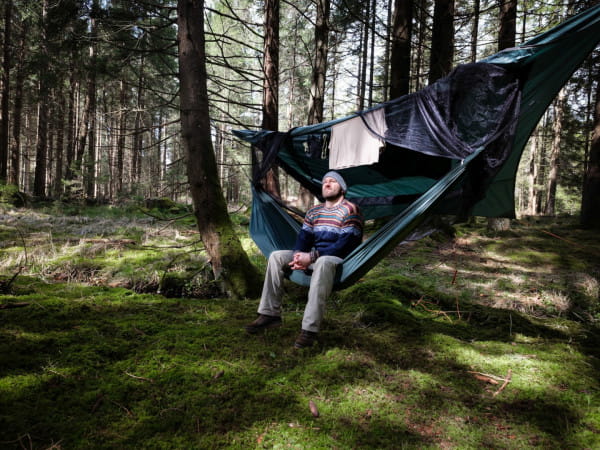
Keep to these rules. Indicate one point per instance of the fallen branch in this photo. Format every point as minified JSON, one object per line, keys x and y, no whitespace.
{"x":421,"y":303}
{"x":129,"y":413}
{"x":138,"y":378}
{"x":486,"y":376}
{"x":506,"y":381}
{"x":563,"y":239}
{"x":116,"y":242}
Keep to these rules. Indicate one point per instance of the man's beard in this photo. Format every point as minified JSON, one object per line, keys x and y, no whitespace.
{"x":333,"y":197}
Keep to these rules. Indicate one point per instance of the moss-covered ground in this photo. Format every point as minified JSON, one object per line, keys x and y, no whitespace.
{"x":484,"y":340}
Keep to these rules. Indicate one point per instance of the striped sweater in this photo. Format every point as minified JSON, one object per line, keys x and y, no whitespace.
{"x":331,"y":231}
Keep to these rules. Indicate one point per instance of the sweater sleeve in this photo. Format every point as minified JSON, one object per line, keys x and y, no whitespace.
{"x":305,"y":240}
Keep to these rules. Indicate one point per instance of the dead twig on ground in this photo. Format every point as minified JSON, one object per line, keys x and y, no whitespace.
{"x":129,"y":413}
{"x":422,"y":303}
{"x":138,"y":378}
{"x":506,"y":381}
{"x":493,"y":379}
{"x":563,"y":239}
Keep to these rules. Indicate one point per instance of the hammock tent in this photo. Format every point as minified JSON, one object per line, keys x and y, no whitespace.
{"x":452,"y":148}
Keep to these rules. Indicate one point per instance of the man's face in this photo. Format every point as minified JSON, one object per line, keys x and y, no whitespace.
{"x":331,"y":189}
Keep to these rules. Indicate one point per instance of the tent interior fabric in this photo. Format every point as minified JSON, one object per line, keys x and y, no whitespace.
{"x":451,"y":149}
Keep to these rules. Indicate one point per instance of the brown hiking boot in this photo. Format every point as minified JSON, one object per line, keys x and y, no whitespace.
{"x":305,"y":339}
{"x":263,"y":322}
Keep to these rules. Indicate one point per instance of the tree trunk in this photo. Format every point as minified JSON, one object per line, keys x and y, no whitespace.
{"x":157,"y":169}
{"x":51,"y":156}
{"x":138,"y":131}
{"x":122,"y":117}
{"x":60,"y":141}
{"x":475,"y":30}
{"x":533,"y":175}
{"x":387,"y":53}
{"x":15,"y":152}
{"x":401,"y":45}
{"x":317,"y":89}
{"x":553,"y":175}
{"x":372,"y":53}
{"x":442,"y":40}
{"x":39,"y":182}
{"x":290,"y":113}
{"x":508,"y":24}
{"x":228,"y":260}
{"x":319,"y":69}
{"x":71,"y":143}
{"x":270,"y":119}
{"x":82,"y":136}
{"x":590,"y":201}
{"x":5,"y":91}
{"x":364,"y":51}
{"x":498,"y":224}
{"x":91,"y":157}
{"x":506,"y":38}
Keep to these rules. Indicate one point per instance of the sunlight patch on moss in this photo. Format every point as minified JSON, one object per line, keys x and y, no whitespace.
{"x":16,"y":385}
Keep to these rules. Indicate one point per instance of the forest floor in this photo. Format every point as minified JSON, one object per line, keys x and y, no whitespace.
{"x":483,"y":340}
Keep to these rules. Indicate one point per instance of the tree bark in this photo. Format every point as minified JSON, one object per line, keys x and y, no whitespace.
{"x":401,"y":45}
{"x":136,"y":154}
{"x":319,"y":69}
{"x":71,"y":142}
{"x":317,"y":89}
{"x":442,"y":40}
{"x":270,"y":116}
{"x":475,"y":29}
{"x":91,"y":156}
{"x":60,"y":141}
{"x":590,"y":202}
{"x":508,"y":24}
{"x":82,"y":136}
{"x":6,"y":63}
{"x":364,"y":52}
{"x":532,"y":175}
{"x":419,"y":58}
{"x":39,"y":182}
{"x":229,"y":262}
{"x":553,"y":175}
{"x":506,"y":38}
{"x":372,"y":54}
{"x":15,"y":151}
{"x":122,"y":118}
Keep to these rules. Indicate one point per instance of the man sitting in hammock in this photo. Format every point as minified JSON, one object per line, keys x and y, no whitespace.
{"x":329,"y":233}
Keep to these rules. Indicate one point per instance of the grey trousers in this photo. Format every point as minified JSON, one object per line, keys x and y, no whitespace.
{"x":321,"y":285}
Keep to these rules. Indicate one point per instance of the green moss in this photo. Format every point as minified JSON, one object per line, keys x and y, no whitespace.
{"x":96,"y":366}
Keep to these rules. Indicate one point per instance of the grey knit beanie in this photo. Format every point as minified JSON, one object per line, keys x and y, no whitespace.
{"x":333,"y":174}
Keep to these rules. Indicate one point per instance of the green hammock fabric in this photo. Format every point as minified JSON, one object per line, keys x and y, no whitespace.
{"x":273,"y":228}
{"x":469,"y":142}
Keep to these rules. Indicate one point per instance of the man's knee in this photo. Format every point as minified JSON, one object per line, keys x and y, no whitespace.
{"x":326,"y":263}
{"x":281,"y":257}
